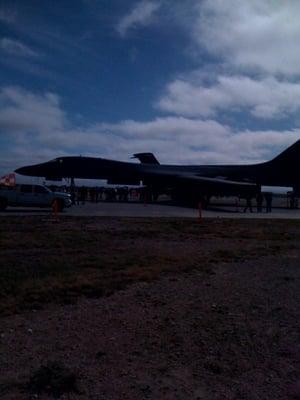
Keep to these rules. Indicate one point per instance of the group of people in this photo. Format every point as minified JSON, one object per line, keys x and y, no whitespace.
{"x":268,"y":196}
{"x":82,"y":194}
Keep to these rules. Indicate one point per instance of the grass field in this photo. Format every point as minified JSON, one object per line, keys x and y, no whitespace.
{"x":44,"y":262}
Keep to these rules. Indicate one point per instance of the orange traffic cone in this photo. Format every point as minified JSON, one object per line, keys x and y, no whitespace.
{"x":55,"y":210}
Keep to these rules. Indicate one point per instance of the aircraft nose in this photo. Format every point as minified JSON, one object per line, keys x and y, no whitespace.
{"x":48,"y":169}
{"x":24,"y":170}
{"x":32,"y":170}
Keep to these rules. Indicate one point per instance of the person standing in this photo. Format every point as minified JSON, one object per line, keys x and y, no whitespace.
{"x":269,"y":199}
{"x":248,"y":204}
{"x":259,"y":202}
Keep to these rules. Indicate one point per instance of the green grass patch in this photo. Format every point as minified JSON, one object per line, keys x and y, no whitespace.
{"x":44,"y":263}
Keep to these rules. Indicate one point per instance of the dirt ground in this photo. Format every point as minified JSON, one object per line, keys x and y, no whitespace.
{"x":139,"y":309}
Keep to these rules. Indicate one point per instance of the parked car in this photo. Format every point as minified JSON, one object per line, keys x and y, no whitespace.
{"x":32,"y":196}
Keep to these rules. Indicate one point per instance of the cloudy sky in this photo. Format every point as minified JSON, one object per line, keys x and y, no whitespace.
{"x":194,"y":81}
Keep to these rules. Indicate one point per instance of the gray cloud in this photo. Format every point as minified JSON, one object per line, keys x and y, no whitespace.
{"x":37,"y":129}
{"x":255,"y":45}
{"x":252,"y":34}
{"x":16,"y":48}
{"x":266,"y":98}
{"x":140,"y":15}
{"x":24,"y":111}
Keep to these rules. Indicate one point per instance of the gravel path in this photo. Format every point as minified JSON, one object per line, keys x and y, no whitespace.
{"x":231,"y":334}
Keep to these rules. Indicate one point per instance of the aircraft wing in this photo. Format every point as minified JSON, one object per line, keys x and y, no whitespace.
{"x":215,"y":186}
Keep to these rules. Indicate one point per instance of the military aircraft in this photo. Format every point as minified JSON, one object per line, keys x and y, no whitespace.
{"x":194,"y":182}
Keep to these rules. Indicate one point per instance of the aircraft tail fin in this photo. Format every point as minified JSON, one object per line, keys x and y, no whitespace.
{"x":290,"y":157}
{"x":146,"y":158}
{"x":286,"y":165}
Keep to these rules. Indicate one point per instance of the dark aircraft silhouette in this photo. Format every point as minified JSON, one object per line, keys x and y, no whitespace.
{"x":189,"y":181}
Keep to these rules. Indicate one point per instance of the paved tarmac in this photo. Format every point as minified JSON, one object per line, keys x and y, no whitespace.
{"x":153,"y":210}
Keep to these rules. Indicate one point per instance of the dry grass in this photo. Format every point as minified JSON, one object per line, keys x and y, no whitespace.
{"x":44,"y":262}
